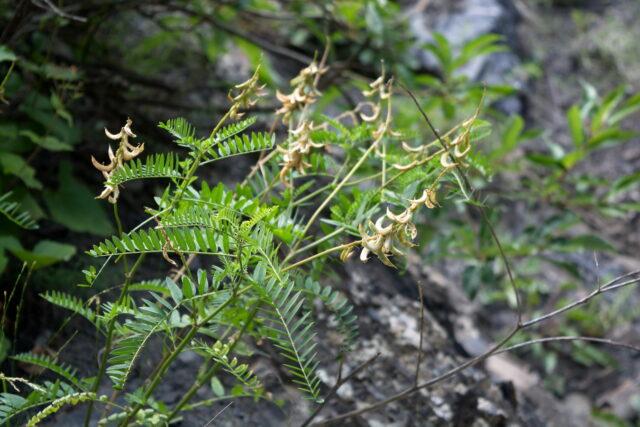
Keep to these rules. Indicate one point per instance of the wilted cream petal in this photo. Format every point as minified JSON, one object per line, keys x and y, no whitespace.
{"x":127,"y":129}
{"x":114,"y":136}
{"x":380,"y":229}
{"x":458,"y":153}
{"x":416,"y":202}
{"x":445,"y":161}
{"x":431,"y":201}
{"x":373,"y":116}
{"x":373,"y":243}
{"x":377,"y":82}
{"x":407,"y":147}
{"x":364,"y":255}
{"x":387,"y":245}
{"x":100,"y":166}
{"x":401,"y":218}
{"x":404,"y":167}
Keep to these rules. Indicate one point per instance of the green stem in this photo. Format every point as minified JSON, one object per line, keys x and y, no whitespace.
{"x":168,"y":360}
{"x":314,"y":244}
{"x":109,"y":339}
{"x":116,"y":215}
{"x":211,"y":371}
{"x":6,"y":77}
{"x":335,"y":191}
{"x":321,"y":254}
{"x":312,"y":194}
{"x":196,"y":163}
{"x":214,"y":400}
{"x":110,"y":327}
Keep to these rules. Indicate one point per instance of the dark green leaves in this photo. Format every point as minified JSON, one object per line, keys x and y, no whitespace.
{"x":43,"y":254}
{"x":148,"y":319}
{"x":183,"y":132}
{"x":71,"y":303}
{"x":155,"y":166}
{"x":203,"y":241}
{"x":289,"y":325}
{"x":44,"y":361}
{"x":341,"y":308}
{"x":12,"y":210}
{"x":73,"y":205}
{"x":237,"y":145}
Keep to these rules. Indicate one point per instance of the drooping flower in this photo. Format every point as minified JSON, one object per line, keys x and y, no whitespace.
{"x":125,"y":152}
{"x":391,"y":231}
{"x":295,"y":154}
{"x":304,"y":91}
{"x":245,"y":95}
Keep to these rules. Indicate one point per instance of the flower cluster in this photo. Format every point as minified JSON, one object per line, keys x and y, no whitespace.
{"x":126,"y":151}
{"x":461,"y":146}
{"x":244,"y":95}
{"x":383,"y":237}
{"x":391,"y":230}
{"x":300,"y":144}
{"x":304,"y":93}
{"x":379,"y":92}
{"x":293,"y":156}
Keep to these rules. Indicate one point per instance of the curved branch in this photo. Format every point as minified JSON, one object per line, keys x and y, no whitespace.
{"x":570,"y":338}
{"x":617,"y":283}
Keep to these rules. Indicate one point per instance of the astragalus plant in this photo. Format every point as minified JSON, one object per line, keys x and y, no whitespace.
{"x":348,"y":173}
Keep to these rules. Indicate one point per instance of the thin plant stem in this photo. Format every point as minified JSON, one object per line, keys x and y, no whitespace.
{"x":8,"y":301}
{"x":316,"y":243}
{"x":570,"y":338}
{"x":211,"y":371}
{"x":171,"y":356}
{"x":480,"y":208}
{"x":403,"y":394}
{"x":601,"y":289}
{"x":16,"y":326}
{"x":339,"y":382}
{"x":128,"y":274}
{"x":348,"y":176}
{"x":419,"y":362}
{"x":116,"y":216}
{"x":213,"y":400}
{"x":218,"y":414}
{"x":196,"y":163}
{"x":321,"y":254}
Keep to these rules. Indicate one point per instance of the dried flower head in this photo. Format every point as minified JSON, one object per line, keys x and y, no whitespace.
{"x":387,"y":233}
{"x":308,"y":77}
{"x":392,"y":231}
{"x":304,"y":92}
{"x":378,"y":87}
{"x":454,"y":154}
{"x":379,"y":93}
{"x":126,"y":151}
{"x":299,"y":148}
{"x":245,"y":95}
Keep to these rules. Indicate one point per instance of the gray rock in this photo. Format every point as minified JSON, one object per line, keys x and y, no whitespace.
{"x":460,"y":22}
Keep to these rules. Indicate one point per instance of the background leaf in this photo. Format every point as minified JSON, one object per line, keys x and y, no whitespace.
{"x":74,"y":205}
